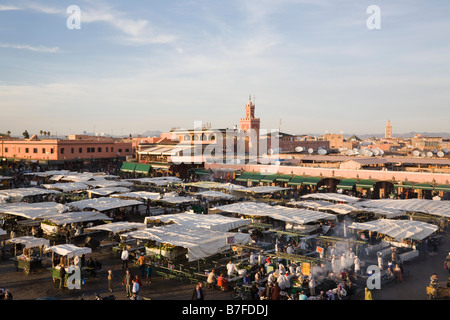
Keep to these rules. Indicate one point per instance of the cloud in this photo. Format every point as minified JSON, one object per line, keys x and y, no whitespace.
{"x":30,"y":48}
{"x":8,"y":8}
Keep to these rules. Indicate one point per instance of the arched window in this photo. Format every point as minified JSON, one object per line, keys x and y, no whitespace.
{"x":212,"y":137}
{"x":187,"y":137}
{"x":195,"y":137}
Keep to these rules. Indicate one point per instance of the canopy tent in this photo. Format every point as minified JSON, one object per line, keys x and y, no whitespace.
{"x":86,"y":176}
{"x":160,"y":181}
{"x":128,"y":167}
{"x":340,"y":208}
{"x":108,"y":191}
{"x":214,"y":222}
{"x":40,"y":210}
{"x":118,"y":227}
{"x":346,"y":184}
{"x":264,"y":189}
{"x":173,"y":199}
{"x":291,"y":215}
{"x":144,"y":195}
{"x":200,"y":242}
{"x":103,"y":204}
{"x":4,"y":198}
{"x":49,"y":173}
{"x":310,"y":204}
{"x":214,"y":185}
{"x":213,"y":195}
{"x":331,"y":197}
{"x":398,"y":229}
{"x":2,"y":232}
{"x":77,"y":216}
{"x":67,"y":186}
{"x":69,"y":250}
{"x":30,"y":242}
{"x":108,"y":183}
{"x":432,"y":207}
{"x":18,"y":194}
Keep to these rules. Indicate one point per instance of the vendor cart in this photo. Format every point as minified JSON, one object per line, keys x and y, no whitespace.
{"x":439,"y":293}
{"x":29,"y":260}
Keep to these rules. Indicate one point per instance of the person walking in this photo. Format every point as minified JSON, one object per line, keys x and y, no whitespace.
{"x":367,"y":294}
{"x":62,"y":277}
{"x":110,"y":281}
{"x":141,"y":263}
{"x":398,"y":273}
{"x":231,"y":267}
{"x":135,"y":288}
{"x":125,"y":256}
{"x":127,"y":282}
{"x":275,"y":292}
{"x":148,"y":272}
{"x":199,"y":292}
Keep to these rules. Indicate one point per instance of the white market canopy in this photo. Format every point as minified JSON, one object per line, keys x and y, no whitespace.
{"x":108,"y":191}
{"x":78,"y":216}
{"x":69,"y":250}
{"x":398,"y":229}
{"x":85,"y":176}
{"x":340,"y":208}
{"x":49,"y":173}
{"x":263,"y":189}
{"x":30,"y":242}
{"x":2,"y":232}
{"x":39,"y":210}
{"x":215,"y":185}
{"x":144,"y":195}
{"x":118,"y":227}
{"x":214,"y":222}
{"x":175,"y":199}
{"x":19,"y":193}
{"x":103,"y":204}
{"x":4,"y":198}
{"x":291,"y":215}
{"x":200,"y":243}
{"x":67,"y":186}
{"x":214,"y":195}
{"x":103,"y":183}
{"x":311,"y":204}
{"x":331,"y":197}
{"x":432,"y":207}
{"x":159,"y":181}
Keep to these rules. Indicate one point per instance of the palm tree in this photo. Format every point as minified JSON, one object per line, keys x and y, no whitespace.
{"x":8,"y":133}
{"x":26,"y":135}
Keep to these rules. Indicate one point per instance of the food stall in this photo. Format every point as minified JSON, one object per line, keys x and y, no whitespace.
{"x":29,"y":260}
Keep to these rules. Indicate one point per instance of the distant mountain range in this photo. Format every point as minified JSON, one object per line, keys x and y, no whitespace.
{"x":445,"y":135}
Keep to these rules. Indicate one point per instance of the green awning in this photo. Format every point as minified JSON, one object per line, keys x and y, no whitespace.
{"x":442,"y":187}
{"x":201,"y":171}
{"x":297,"y":181}
{"x":270,"y":178}
{"x":284,"y":178}
{"x":244,"y":176}
{"x":346,"y":184}
{"x":128,"y":167}
{"x":404,"y":184}
{"x":256,"y":177}
{"x":365,"y":184}
{"x":312,"y":181}
{"x":423,"y":186}
{"x":142,"y":168}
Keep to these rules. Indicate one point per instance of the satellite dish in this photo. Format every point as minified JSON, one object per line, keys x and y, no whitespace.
{"x":423,"y":155}
{"x":355,"y":150}
{"x":429,"y":154}
{"x":369,"y":153}
{"x":322,"y":151}
{"x":310,"y":150}
{"x":435,"y":151}
{"x":376,"y":152}
{"x":299,"y":149}
{"x":341,"y":149}
{"x":350,"y":152}
{"x":445,"y":150}
{"x":416,"y":153}
{"x":440,"y":154}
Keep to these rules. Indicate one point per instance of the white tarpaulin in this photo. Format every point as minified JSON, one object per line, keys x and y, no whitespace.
{"x":215,"y":222}
{"x":19,"y":193}
{"x":263,"y":189}
{"x":214,"y":185}
{"x":30,"y":242}
{"x":39,"y":210}
{"x":69,"y":250}
{"x":2,"y":232}
{"x":4,"y":198}
{"x":292,"y":215}
{"x":340,"y":208}
{"x":108,"y":191}
{"x":438,"y":208}
{"x":78,"y":216}
{"x":175,"y":199}
{"x":311,"y":204}
{"x":398,"y":229}
{"x":103,"y":204}
{"x":144,"y":195}
{"x":201,"y":243}
{"x":214,"y":195}
{"x":159,"y":181}
{"x":103,"y":183}
{"x":331,"y":197}
{"x":119,"y":227}
{"x":67,"y":186}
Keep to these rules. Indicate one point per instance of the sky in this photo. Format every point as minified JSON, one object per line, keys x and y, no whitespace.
{"x":312,"y":66}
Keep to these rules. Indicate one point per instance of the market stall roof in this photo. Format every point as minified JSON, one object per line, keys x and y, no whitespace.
{"x":30,"y":241}
{"x":340,"y":208}
{"x":49,"y":173}
{"x":200,"y":242}
{"x":311,"y":204}
{"x":215,"y":222}
{"x":76,"y":216}
{"x":86,"y":176}
{"x":4,"y":198}
{"x":108,"y":191}
{"x":119,"y":227}
{"x":39,"y":210}
{"x":103,"y":204}
{"x":2,"y":232}
{"x":264,"y":189}
{"x":175,"y":199}
{"x":19,"y":193}
{"x":214,"y":195}
{"x":398,"y":229}
{"x":287,"y":214}
{"x":432,"y":207}
{"x":67,"y":187}
{"x":160,"y":181}
{"x":145,"y":195}
{"x":214,"y":185}
{"x":331,"y":197}
{"x":103,"y":183}
{"x":69,"y":250}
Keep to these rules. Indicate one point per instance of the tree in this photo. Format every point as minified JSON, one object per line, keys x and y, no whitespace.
{"x":26,"y":135}
{"x":8,"y":133}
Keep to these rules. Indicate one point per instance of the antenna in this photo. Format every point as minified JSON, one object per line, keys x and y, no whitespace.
{"x":279,"y":125}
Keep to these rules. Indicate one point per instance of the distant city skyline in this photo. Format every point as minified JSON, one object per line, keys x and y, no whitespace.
{"x":149,"y":66}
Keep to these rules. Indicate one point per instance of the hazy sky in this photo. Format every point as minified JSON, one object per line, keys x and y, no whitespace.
{"x":152,"y":65}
